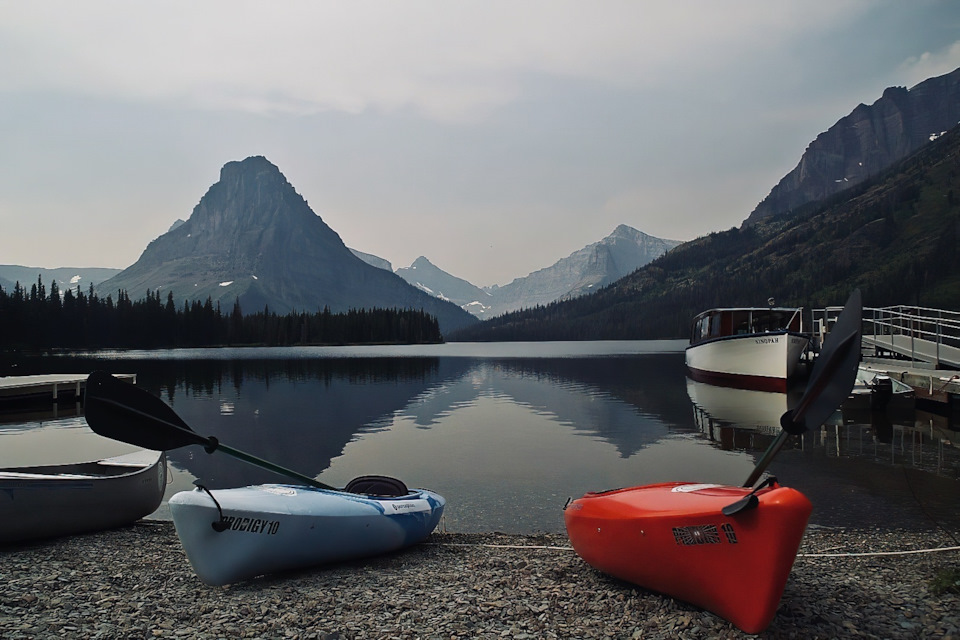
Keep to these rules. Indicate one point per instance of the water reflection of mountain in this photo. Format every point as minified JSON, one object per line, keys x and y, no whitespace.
{"x":612,"y":398}
{"x":297,"y":413}
{"x":301,"y":414}
{"x":652,"y":383}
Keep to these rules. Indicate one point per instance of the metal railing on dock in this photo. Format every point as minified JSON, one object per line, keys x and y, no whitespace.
{"x":920,"y":334}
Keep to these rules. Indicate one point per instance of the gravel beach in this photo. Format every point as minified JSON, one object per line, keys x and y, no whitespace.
{"x":136,"y":582}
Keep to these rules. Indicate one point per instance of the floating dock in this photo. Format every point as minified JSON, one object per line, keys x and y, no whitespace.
{"x":938,"y":387}
{"x":919,"y":346}
{"x":52,"y":388}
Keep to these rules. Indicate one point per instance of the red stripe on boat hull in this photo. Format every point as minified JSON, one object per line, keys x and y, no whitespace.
{"x":739,"y":380}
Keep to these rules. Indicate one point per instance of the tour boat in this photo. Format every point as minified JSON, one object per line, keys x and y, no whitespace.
{"x":236,"y":534}
{"x":56,"y":500}
{"x":674,"y":538}
{"x":751,"y":347}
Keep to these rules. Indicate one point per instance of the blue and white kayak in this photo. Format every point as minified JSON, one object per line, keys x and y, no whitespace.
{"x":231,"y":535}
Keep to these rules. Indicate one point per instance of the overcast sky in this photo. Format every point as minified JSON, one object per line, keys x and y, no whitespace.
{"x":492,"y":137}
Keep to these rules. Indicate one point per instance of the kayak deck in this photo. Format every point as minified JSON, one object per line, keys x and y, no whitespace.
{"x":269,"y":528}
{"x":673,"y":538}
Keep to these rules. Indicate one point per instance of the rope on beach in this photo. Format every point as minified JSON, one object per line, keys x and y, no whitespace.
{"x":799,"y":555}
{"x":498,"y":546}
{"x":876,"y":553}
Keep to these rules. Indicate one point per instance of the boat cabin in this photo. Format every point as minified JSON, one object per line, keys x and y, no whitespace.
{"x":722,"y":323}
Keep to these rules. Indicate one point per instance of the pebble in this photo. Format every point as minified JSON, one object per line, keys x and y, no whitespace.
{"x":136,"y":582}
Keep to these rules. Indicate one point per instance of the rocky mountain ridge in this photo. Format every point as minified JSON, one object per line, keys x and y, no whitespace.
{"x":864,"y":143}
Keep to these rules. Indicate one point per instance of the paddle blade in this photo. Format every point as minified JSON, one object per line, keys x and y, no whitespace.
{"x":124,"y":412}
{"x":834,"y":372}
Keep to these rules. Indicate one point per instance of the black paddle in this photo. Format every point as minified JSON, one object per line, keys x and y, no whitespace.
{"x":124,"y":412}
{"x":831,"y":380}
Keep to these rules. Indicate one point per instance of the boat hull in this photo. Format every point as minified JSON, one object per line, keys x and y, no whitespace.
{"x":272,"y":528}
{"x":51,"y":501}
{"x":673,"y":538}
{"x":755,"y":361}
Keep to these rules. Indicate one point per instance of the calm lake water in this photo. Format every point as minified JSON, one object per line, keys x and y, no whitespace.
{"x":506,"y":432}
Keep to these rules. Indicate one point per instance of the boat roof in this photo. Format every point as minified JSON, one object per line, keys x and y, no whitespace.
{"x":728,"y":309}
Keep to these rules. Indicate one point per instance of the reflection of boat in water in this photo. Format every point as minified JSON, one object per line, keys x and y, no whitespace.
{"x":751,"y":347}
{"x":730,"y":406}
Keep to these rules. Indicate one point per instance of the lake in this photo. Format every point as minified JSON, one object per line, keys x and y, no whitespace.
{"x":507,"y":432}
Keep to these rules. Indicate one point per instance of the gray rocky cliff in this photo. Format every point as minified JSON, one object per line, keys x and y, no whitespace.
{"x":865,"y":142}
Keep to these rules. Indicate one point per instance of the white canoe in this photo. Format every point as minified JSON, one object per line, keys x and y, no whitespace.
{"x":270,"y":528}
{"x":57,"y":500}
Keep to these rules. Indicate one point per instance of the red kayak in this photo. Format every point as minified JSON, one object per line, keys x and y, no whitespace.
{"x":675,"y":539}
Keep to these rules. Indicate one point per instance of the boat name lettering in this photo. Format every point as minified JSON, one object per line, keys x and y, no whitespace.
{"x":773,"y":340}
{"x":253,"y":525}
{"x":404,"y":506}
{"x":696,"y":535}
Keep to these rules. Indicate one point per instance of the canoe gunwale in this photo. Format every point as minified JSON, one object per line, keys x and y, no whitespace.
{"x":50,"y":501}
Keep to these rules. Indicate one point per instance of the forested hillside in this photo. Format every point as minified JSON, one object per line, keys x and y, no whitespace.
{"x":896,"y":236}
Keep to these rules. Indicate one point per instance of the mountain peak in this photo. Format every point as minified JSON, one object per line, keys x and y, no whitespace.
{"x":252,"y":165}
{"x":253,"y":238}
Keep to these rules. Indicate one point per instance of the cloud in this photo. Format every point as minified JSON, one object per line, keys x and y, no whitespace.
{"x":932,"y":64}
{"x":445,"y":60}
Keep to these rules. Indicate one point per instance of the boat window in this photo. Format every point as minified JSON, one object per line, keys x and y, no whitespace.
{"x":777,"y":321}
{"x":696,"y":331}
{"x":740,"y":322}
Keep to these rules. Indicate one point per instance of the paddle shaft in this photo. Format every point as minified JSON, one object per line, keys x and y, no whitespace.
{"x":266,"y":464}
{"x":187,"y":437}
{"x":793,"y":422}
{"x":767,"y":456}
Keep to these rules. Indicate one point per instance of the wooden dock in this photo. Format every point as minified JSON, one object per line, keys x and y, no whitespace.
{"x":930,"y":385}
{"x":52,"y":388}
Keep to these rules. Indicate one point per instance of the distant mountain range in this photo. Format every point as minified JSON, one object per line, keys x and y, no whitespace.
{"x":866,"y":142}
{"x":253,"y":239}
{"x":65,"y":277}
{"x":580,"y":273}
{"x":424,"y":275}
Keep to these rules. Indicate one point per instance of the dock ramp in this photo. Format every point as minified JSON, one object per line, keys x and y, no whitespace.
{"x":920,"y":334}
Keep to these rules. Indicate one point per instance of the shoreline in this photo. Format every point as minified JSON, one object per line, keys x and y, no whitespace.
{"x":136,"y":582}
